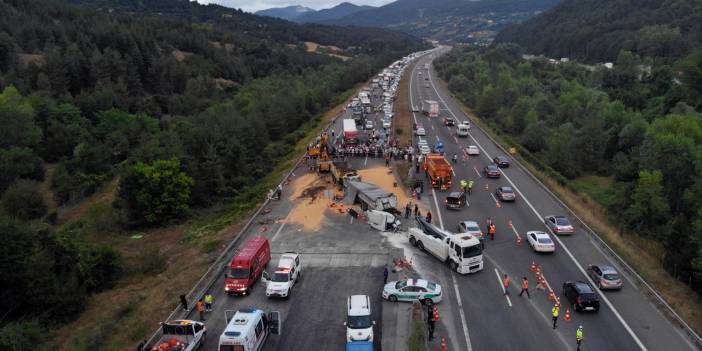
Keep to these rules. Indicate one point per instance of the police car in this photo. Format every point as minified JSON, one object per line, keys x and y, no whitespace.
{"x":285,"y":276}
{"x":413,"y":290}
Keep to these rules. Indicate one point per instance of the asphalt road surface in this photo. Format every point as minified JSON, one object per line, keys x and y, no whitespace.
{"x":493,"y":321}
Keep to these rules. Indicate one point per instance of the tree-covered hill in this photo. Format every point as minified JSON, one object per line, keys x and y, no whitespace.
{"x":596,"y":30}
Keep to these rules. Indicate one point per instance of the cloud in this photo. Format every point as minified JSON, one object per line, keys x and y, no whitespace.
{"x":255,"y":5}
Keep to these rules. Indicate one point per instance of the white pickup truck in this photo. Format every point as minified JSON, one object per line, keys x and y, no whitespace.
{"x":285,"y":276}
{"x":462,"y":252}
{"x":181,"y":334}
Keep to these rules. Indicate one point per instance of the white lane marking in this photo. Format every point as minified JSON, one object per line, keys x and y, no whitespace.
{"x":460,"y":311}
{"x":452,"y":171}
{"x":540,"y":218}
{"x":282,"y":225}
{"x":514,"y":229}
{"x":499,"y":282}
{"x":464,"y":324}
{"x":476,"y":172}
{"x":495,"y":199}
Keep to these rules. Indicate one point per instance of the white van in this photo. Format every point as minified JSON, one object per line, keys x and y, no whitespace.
{"x":359,"y":324}
{"x":463,"y":129}
{"x":248,"y":329}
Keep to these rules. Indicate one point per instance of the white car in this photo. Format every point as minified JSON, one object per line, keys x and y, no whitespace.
{"x":422,"y":142}
{"x":415,"y":109}
{"x":473,"y":150}
{"x":420,"y":290}
{"x":420,"y":131}
{"x":386,"y":123}
{"x":424,"y":149}
{"x":472,"y":228}
{"x":285,"y":276}
{"x":359,"y":323}
{"x":369,"y":125}
{"x":540,"y":241}
{"x":465,"y":123}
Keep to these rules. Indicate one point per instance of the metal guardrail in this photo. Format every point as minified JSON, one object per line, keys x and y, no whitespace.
{"x":658,"y":299}
{"x":216,"y":268}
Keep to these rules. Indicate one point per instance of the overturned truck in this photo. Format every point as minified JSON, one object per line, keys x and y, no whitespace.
{"x":369,"y":196}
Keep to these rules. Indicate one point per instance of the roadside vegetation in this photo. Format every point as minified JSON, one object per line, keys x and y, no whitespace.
{"x":130,"y":148}
{"x":621,"y":146}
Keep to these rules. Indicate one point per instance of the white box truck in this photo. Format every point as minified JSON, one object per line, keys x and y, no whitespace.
{"x":462,"y":252}
{"x":431,"y":108}
{"x":370,"y":196}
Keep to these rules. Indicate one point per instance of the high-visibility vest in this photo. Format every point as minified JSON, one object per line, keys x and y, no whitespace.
{"x":470,"y":184}
{"x":492,"y":229}
{"x":555,"y":311}
{"x":579,"y":334}
{"x":505,"y":282}
{"x":525,"y":284}
{"x":208,"y":298}
{"x":200,"y":306}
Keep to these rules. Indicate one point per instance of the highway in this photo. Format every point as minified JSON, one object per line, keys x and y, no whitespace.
{"x":626,"y":320}
{"x":341,"y":256}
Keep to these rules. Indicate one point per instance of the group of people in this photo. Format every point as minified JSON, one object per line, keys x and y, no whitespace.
{"x":204,"y":304}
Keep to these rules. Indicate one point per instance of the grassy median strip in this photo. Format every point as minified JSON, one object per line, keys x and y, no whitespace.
{"x":418,"y":329}
{"x":403,"y":115}
{"x":645,"y":256}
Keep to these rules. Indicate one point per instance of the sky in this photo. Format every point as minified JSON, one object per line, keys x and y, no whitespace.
{"x":255,"y":5}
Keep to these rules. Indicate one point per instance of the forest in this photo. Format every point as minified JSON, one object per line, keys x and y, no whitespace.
{"x":640,"y":128}
{"x":182,"y":115}
{"x":596,"y":30}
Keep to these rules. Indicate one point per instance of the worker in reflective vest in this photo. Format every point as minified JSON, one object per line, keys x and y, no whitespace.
{"x":579,"y":336}
{"x":492,"y":231}
{"x":554,"y":312}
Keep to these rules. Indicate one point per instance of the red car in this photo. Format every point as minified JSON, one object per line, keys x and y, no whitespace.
{"x":247,"y":266}
{"x":492,"y":171}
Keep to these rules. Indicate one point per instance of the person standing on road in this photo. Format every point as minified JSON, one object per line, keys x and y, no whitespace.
{"x":408,"y":210}
{"x":416,"y":210}
{"x":385,"y":274}
{"x":488,"y":223}
{"x":455,"y":158}
{"x":493,"y":231}
{"x":428,"y":217}
{"x":208,"y":302}
{"x":579,"y":337}
{"x":184,"y":302}
{"x":470,"y":186}
{"x":525,"y":287}
{"x":554,"y":313}
{"x":201,"y":309}
{"x":505,"y":284}
{"x":430,"y":321}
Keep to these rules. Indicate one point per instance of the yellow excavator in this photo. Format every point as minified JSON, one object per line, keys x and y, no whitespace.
{"x":320,"y":152}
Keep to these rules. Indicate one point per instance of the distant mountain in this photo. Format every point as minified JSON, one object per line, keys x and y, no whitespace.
{"x":448,"y":20}
{"x":289,"y":13}
{"x":334,"y":13}
{"x":596,"y":30}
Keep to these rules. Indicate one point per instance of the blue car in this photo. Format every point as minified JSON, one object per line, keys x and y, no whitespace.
{"x":359,"y":346}
{"x":439,"y":147}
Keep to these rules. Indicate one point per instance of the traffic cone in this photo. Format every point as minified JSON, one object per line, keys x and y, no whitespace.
{"x":497,"y":204}
{"x":551,"y":296}
{"x":567,"y":315}
{"x":510,"y":224}
{"x":436,"y":314}
{"x":533,"y":266}
{"x":538,"y":272}
{"x":519,"y":241}
{"x":444,"y":347}
{"x":487,"y":187}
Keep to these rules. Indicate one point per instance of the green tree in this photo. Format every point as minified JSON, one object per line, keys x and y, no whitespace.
{"x":648,"y":210}
{"x":17,"y":120}
{"x":24,"y":200}
{"x":154,"y":193}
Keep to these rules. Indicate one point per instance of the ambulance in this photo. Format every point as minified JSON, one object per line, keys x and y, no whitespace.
{"x":248,"y":329}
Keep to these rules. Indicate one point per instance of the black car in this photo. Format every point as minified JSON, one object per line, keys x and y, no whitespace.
{"x":582,"y":296}
{"x":492,"y":171}
{"x":448,"y":121}
{"x":501,"y":161}
{"x":456,"y":200}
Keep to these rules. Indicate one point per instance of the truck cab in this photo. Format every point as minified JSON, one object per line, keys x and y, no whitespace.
{"x":285,"y":276}
{"x":462,"y":252}
{"x":359,"y":322}
{"x":248,"y":329}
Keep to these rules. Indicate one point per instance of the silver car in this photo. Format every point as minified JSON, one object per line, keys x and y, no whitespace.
{"x":559,"y":224}
{"x":605,"y":277}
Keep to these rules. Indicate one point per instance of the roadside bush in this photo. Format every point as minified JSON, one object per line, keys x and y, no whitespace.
{"x":21,"y":336}
{"x":418,"y":329}
{"x":23,"y":200}
{"x":149,"y":262}
{"x":102,"y":219}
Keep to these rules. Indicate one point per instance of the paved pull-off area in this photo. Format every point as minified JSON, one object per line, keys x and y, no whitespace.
{"x":343,"y":256}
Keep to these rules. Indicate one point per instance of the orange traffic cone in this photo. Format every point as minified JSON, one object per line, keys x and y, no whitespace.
{"x":567,"y":315}
{"x":533,"y":266}
{"x":510,"y":224}
{"x":538,"y":271}
{"x":519,"y":241}
{"x":436,"y":314}
{"x":333,"y":204}
{"x":551,"y":296}
{"x":444,"y":347}
{"x":487,"y":187}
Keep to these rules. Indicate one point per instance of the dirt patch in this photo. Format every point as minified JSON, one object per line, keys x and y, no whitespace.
{"x":309,"y":212}
{"x":403,"y":117}
{"x":311,"y":46}
{"x":27,"y":59}
{"x":386,"y":180}
{"x":105,"y":195}
{"x":181,"y":55}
